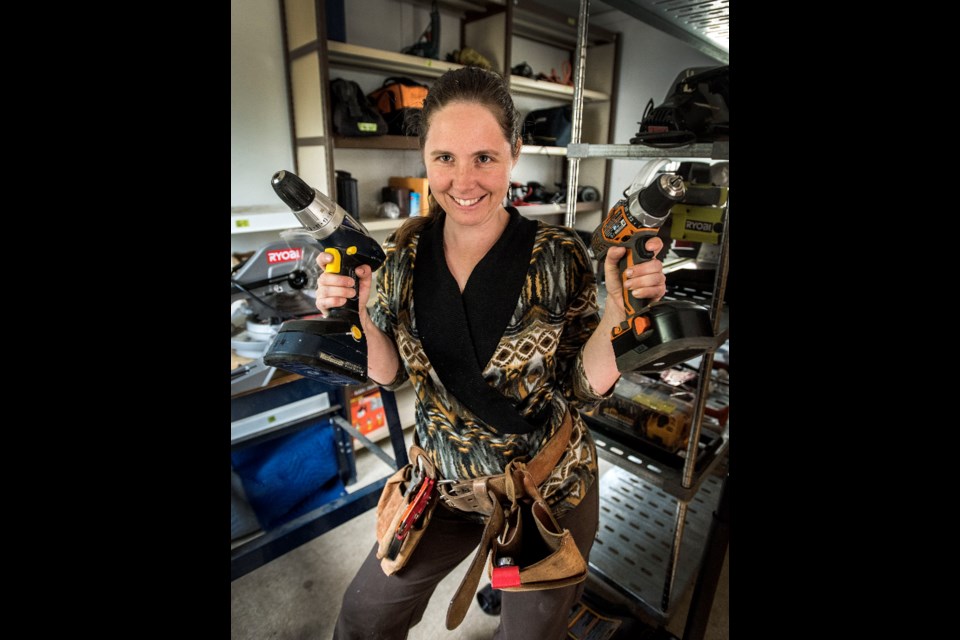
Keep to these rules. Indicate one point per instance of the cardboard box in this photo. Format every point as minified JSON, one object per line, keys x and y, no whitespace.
{"x":367,"y":413}
{"x":418,"y":185}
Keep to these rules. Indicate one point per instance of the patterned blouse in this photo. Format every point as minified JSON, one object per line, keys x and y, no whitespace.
{"x":537,"y":362}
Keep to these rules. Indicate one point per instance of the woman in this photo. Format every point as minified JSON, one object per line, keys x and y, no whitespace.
{"x":476,"y":304}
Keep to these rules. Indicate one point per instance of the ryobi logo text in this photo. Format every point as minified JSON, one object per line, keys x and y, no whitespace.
{"x":284,"y":255}
{"x":698,"y":225}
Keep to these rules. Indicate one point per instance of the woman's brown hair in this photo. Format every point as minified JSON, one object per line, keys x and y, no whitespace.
{"x":468,"y":84}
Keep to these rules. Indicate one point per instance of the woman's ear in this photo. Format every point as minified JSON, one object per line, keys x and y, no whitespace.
{"x":516,"y":151}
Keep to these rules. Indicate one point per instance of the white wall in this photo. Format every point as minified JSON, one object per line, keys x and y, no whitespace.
{"x":364,"y":22}
{"x":259,"y":116}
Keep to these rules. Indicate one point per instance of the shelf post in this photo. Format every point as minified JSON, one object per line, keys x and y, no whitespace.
{"x":703,"y":389}
{"x":573,"y":164}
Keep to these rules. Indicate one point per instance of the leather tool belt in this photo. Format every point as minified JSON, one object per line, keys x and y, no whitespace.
{"x":527,"y":548}
{"x":473,"y":496}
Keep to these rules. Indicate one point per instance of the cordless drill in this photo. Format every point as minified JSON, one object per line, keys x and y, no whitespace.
{"x":659,"y":335}
{"x":331,"y":349}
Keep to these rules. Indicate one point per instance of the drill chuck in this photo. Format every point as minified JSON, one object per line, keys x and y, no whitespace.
{"x":294,"y":192}
{"x":319,"y":215}
{"x":651,"y":205}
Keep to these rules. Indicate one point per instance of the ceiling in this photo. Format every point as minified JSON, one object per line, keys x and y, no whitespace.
{"x":703,"y":24}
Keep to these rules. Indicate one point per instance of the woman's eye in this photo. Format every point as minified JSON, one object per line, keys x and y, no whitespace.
{"x":484,"y":159}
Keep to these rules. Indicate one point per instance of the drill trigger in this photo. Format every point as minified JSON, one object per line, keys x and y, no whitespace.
{"x":333,"y":267}
{"x":640,"y":246}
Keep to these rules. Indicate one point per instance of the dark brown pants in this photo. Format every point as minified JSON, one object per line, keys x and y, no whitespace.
{"x":380,"y":607}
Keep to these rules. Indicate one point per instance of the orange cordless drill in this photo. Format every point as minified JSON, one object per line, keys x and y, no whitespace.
{"x":659,"y":335}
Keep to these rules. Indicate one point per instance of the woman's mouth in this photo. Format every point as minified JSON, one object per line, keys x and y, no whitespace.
{"x":466,"y":202}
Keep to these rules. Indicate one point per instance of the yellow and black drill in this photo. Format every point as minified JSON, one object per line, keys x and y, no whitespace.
{"x":331,"y":349}
{"x":659,"y":335}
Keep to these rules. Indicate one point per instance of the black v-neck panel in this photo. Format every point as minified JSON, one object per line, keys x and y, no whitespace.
{"x":495,"y":286}
{"x":460,"y":333}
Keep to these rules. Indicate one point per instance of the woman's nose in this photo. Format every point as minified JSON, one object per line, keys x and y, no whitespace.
{"x":463,"y":174}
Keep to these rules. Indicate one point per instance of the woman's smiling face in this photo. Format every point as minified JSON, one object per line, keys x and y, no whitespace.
{"x":468,"y":162}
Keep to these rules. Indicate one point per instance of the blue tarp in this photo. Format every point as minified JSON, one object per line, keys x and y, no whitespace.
{"x":289,"y":476}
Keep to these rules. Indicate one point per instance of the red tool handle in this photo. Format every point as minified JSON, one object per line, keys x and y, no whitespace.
{"x":415,"y":508}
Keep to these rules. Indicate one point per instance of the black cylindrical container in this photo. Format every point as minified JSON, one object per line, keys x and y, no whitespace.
{"x":347,"y":194}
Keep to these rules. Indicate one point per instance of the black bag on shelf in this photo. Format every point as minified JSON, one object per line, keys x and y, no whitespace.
{"x":549,"y":127}
{"x":395,"y":99}
{"x":697,"y":109}
{"x":353,"y":115}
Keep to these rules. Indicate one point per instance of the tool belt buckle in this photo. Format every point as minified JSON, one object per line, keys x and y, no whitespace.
{"x":470,"y":496}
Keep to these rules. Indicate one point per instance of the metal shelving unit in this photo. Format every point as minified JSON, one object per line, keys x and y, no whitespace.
{"x":367,"y":58}
{"x":487,"y":25}
{"x":632,"y":551}
{"x":261,"y":218}
{"x":650,"y":576}
{"x":719,"y":150}
{"x":655,"y":472}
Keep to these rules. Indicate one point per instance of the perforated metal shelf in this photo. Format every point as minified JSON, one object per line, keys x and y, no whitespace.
{"x":633,"y":544}
{"x":654,"y":472}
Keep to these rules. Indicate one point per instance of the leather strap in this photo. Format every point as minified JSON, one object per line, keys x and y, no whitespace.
{"x":473,"y":495}
{"x":414,"y":455}
{"x":460,"y":602}
{"x":528,"y":476}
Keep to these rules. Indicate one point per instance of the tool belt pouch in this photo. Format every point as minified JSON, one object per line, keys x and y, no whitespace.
{"x":393,"y":505}
{"x":533,"y":552}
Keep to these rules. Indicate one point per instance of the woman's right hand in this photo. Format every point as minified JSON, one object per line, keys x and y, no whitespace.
{"x":333,"y":290}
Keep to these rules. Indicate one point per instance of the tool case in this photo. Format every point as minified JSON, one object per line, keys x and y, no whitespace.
{"x":395,"y":99}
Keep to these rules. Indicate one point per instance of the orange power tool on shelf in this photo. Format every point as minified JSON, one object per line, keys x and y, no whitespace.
{"x":659,"y":335}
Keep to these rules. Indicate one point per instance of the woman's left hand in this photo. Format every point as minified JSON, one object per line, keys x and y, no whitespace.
{"x":644,"y":281}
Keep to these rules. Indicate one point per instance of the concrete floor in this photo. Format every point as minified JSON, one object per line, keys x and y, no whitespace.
{"x":297,"y":596}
